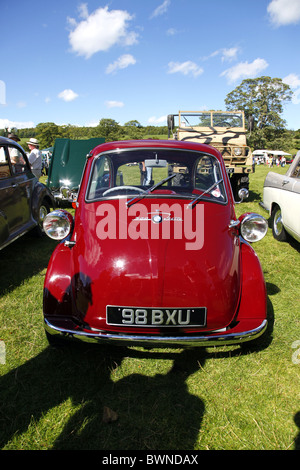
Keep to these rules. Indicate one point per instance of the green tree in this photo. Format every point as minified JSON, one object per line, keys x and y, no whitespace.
{"x":109,"y":129}
{"x":132,"y":130}
{"x":261,"y":98}
{"x":133,"y":123}
{"x":46,"y":133}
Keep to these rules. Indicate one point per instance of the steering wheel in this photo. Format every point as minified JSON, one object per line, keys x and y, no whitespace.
{"x":122,"y":188}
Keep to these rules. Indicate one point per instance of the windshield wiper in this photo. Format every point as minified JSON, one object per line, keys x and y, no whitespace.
{"x":155,"y":186}
{"x":194,"y":201}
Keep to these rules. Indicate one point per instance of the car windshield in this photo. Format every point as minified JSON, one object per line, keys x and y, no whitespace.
{"x":152,"y":172}
{"x":211,"y":119}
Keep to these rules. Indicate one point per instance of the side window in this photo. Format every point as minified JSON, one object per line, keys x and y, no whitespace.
{"x":4,"y":165}
{"x":17,"y":160}
{"x":101,"y":178}
{"x":209,"y":178}
{"x":205,"y":175}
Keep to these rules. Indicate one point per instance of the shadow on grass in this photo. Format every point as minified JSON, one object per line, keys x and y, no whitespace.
{"x":294,"y":244}
{"x":153,"y":412}
{"x":23,"y":259}
{"x":297,"y":422}
{"x":254,"y":196}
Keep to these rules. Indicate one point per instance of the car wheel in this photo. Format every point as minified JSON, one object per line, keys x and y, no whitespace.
{"x":44,"y":209}
{"x":278,"y":229}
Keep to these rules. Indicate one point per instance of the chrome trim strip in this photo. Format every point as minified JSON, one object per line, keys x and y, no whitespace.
{"x":261,"y":203}
{"x":160,"y":341}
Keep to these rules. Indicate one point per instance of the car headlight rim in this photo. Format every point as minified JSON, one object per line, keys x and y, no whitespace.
{"x":253,"y":227}
{"x":58,"y":224}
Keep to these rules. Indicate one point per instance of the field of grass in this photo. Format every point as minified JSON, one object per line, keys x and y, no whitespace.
{"x":163,"y":399}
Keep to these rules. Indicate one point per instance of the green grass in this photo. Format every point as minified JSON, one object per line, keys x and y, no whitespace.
{"x":228,"y":398}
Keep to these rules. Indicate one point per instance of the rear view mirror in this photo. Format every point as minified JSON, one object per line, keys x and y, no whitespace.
{"x":156,"y":163}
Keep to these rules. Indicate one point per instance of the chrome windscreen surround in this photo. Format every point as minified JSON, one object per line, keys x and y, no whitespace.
{"x":157,"y":341}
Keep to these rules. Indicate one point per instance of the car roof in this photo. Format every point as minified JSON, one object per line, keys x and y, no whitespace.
{"x":6,"y":141}
{"x":151,"y":143}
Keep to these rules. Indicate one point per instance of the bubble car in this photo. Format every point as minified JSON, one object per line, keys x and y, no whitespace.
{"x":154,"y":255}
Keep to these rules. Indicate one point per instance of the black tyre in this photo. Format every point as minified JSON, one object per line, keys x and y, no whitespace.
{"x":44,"y":209}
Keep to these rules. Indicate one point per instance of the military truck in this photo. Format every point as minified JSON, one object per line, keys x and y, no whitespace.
{"x":224,"y":130}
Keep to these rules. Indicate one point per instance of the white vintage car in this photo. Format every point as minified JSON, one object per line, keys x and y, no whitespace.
{"x":281,"y":198}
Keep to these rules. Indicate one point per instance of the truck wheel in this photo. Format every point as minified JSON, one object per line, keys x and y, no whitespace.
{"x":278,"y":229}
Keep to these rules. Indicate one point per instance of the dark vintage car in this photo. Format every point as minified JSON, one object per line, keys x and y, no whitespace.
{"x":24,"y":201}
{"x":157,"y":257}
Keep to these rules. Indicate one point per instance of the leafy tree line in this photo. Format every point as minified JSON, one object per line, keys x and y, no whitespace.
{"x":262,"y":100}
{"x":47,"y":132}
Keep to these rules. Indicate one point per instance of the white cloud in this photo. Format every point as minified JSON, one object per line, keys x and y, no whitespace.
{"x":161,"y":120}
{"x":228,"y":55}
{"x":186,"y":68}
{"x":245,"y":70}
{"x":21,"y":104}
{"x":114,"y":104}
{"x":294,"y":82}
{"x":100,"y":30}
{"x":4,"y":123}
{"x":284,"y":12}
{"x":296,"y":97}
{"x":83,"y":10}
{"x":171,"y":32}
{"x":161,"y":9}
{"x":67,"y":95}
{"x":121,"y":63}
{"x":93,"y":123}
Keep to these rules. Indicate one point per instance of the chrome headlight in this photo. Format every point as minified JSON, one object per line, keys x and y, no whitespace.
{"x":65,"y":192}
{"x":237,"y":151}
{"x":58,"y":224}
{"x":253,"y":227}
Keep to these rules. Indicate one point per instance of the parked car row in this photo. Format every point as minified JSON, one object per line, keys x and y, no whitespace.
{"x":155,"y":254}
{"x":24,"y":201}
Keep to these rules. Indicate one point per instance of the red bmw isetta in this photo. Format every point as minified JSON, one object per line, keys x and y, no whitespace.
{"x":155,"y":255}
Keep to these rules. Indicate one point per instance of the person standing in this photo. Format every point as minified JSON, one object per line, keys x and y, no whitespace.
{"x":16,"y":157}
{"x":35,"y":157}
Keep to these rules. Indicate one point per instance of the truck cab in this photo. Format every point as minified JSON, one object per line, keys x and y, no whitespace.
{"x":224,"y":130}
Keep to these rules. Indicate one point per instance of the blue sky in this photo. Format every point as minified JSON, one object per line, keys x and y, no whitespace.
{"x":75,"y":62}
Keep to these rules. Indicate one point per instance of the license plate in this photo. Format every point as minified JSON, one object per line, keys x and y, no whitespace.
{"x":155,"y":317}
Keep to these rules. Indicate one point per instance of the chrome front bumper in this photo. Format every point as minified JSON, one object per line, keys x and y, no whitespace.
{"x":216,"y":339}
